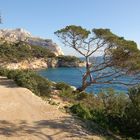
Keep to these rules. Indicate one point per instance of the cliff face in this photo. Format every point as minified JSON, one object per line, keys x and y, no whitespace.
{"x":31,"y":64}
{"x":40,"y":64}
{"x":16,"y":35}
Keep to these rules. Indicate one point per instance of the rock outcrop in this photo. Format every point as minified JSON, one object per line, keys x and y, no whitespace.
{"x":23,"y":35}
{"x":33,"y":64}
{"x":26,"y":64}
{"x":41,"y":63}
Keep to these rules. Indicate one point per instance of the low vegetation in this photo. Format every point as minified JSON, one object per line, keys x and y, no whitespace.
{"x":62,"y":86}
{"x":71,"y":59}
{"x":117,"y":112}
{"x":29,"y":79}
{"x":15,"y":52}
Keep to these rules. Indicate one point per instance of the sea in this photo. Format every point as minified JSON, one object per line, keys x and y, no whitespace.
{"x":73,"y":77}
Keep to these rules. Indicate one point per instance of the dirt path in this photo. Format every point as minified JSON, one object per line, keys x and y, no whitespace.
{"x":24,"y":116}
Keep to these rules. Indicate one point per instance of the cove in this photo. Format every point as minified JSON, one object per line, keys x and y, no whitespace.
{"x":73,"y":76}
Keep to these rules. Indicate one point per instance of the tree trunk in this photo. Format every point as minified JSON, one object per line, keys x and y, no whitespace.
{"x":85,"y":84}
{"x":80,"y":89}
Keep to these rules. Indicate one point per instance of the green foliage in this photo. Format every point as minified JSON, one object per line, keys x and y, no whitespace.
{"x":21,"y":51}
{"x":3,"y":72}
{"x":123,"y":53}
{"x":68,"y":58}
{"x":30,"y":80}
{"x":132,"y":113}
{"x":62,"y":86}
{"x":117,"y":112}
{"x":68,"y":95}
{"x":81,"y":96}
{"x":134,"y":95}
{"x":72,"y":30}
{"x":81,"y":111}
{"x":34,"y":82}
{"x":11,"y":74}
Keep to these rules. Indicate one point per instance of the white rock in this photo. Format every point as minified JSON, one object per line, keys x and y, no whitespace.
{"x":19,"y":34}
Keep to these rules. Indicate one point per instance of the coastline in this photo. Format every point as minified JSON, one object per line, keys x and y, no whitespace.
{"x":39,"y":64}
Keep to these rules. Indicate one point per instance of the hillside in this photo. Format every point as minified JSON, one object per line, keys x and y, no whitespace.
{"x":17,"y":35}
{"x":20,"y":50}
{"x":24,"y":116}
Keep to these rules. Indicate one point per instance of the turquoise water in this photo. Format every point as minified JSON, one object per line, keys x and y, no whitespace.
{"x":73,"y":76}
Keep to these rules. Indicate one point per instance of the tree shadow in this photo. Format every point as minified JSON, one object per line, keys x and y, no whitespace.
{"x":43,"y":129}
{"x":22,"y":128}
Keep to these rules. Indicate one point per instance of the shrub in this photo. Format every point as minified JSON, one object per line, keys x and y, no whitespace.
{"x":11,"y":74}
{"x":30,"y":80}
{"x":34,"y":82}
{"x":22,"y":51}
{"x":117,"y":112}
{"x":131,"y":117}
{"x":3,"y":72}
{"x":81,"y":111}
{"x":72,"y":96}
{"x":81,"y":95}
{"x":43,"y":85}
{"x":62,"y":86}
{"x":69,"y":58}
{"x":68,"y":95}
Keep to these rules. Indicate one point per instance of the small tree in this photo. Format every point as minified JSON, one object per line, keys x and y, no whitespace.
{"x":120,"y":57}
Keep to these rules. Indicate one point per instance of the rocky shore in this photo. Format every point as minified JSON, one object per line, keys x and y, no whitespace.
{"x":41,"y":63}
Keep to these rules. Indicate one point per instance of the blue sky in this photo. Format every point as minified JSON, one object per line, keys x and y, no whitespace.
{"x":43,"y":17}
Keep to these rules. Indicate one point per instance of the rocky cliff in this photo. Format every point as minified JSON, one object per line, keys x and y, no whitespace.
{"x":20,"y":50}
{"x":41,"y":63}
{"x":19,"y":34}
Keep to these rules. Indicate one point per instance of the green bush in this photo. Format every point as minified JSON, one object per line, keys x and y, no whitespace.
{"x":68,"y":95}
{"x":30,"y":80}
{"x":62,"y":86}
{"x":81,"y":111}
{"x":3,"y":72}
{"x":131,"y":118}
{"x":43,"y":85}
{"x":11,"y":74}
{"x":34,"y":82}
{"x":15,"y":52}
{"x":118,"y":112}
{"x":81,"y":95}
{"x":69,"y":58}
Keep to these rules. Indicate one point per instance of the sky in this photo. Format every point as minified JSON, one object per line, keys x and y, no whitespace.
{"x":43,"y":17}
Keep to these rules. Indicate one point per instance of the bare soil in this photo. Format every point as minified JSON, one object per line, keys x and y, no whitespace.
{"x":25,"y":116}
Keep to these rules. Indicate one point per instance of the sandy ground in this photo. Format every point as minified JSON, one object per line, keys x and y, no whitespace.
{"x":24,"y":116}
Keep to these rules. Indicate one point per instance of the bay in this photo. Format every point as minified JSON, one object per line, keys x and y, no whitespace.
{"x":73,"y":76}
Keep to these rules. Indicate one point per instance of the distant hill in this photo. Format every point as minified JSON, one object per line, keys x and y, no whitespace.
{"x":17,"y":35}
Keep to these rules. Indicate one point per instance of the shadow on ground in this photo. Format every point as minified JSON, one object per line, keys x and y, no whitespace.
{"x":43,"y":129}
{"x":66,"y":127}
